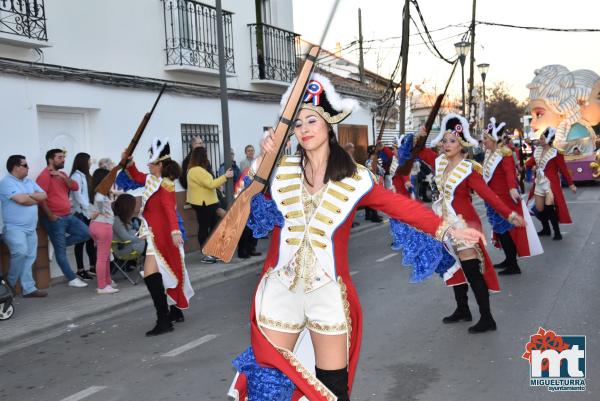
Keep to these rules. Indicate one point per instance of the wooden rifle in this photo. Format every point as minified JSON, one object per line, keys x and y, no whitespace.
{"x":522,"y":164}
{"x":225,"y":237}
{"x":421,"y":141}
{"x":108,"y":181}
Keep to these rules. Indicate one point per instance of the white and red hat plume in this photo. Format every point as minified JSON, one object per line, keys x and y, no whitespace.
{"x":461,"y":130}
{"x":494,"y":130}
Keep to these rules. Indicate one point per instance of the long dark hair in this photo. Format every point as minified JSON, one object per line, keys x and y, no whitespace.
{"x":124,"y":207}
{"x":199,"y":158}
{"x":97,"y":178}
{"x":82,"y":163}
{"x":339,"y":165}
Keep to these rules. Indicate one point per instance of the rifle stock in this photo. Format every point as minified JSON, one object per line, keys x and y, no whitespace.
{"x":225,"y":237}
{"x":108,"y":181}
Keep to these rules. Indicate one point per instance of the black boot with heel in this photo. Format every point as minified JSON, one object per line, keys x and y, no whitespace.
{"x":510,"y":250}
{"x":159,"y":298}
{"x":486,"y":321}
{"x":462,"y":312}
{"x":553,"y":217}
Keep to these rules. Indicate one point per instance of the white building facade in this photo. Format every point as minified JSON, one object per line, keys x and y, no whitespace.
{"x":81,"y":74}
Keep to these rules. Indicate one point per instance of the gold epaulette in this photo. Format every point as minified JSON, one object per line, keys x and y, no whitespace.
{"x":168,"y":185}
{"x":360,"y":167}
{"x":505,"y":151}
{"x":476,"y":166}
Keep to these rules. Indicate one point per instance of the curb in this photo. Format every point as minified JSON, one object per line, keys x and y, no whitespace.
{"x":136,"y":301}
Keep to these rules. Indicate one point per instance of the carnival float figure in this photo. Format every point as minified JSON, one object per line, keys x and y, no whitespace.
{"x":455,"y":178}
{"x":165,"y":274}
{"x":550,"y":201}
{"x":499,"y":172}
{"x":564,"y":100}
{"x":305,"y":298}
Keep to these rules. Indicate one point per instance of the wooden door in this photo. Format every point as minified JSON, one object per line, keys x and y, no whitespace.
{"x":359,"y":136}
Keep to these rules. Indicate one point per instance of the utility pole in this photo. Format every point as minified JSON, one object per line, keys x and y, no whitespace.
{"x":361,"y":61}
{"x":404,"y":55}
{"x":471,"y":116}
{"x":224,"y":101}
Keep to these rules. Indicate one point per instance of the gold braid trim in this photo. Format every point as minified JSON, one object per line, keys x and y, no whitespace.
{"x":279,"y":324}
{"x":327,"y":328}
{"x":307,"y":375}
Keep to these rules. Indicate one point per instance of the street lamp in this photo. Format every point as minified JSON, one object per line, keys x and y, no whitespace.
{"x":462,"y":49}
{"x":483,"y":70}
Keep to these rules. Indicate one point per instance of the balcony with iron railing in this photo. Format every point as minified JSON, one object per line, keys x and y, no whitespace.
{"x":274,"y":53}
{"x":191,"y":37}
{"x":23,"y":23}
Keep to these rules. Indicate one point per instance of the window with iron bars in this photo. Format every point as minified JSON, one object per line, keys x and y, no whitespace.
{"x":274,"y":53}
{"x":210,"y":135}
{"x":191,"y":35}
{"x":26,"y":18}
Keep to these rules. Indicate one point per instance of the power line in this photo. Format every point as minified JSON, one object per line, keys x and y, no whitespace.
{"x":538,"y":28}
{"x":436,"y":52}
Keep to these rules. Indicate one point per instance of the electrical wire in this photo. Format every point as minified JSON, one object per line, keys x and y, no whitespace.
{"x":538,"y":28}
{"x":435,"y":50}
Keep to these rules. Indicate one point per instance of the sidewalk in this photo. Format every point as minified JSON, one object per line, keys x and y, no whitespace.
{"x":67,"y":307}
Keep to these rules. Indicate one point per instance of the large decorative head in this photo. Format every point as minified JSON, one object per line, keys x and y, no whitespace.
{"x":587,"y":89}
{"x":552,"y":101}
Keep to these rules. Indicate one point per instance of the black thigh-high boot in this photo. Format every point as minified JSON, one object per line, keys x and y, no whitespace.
{"x":553,"y":217}
{"x":482,"y":295}
{"x":157,"y":292}
{"x":462,"y":311}
{"x":543,"y":218}
{"x":510,"y":250}
{"x":336,"y":381}
{"x":175,"y":314}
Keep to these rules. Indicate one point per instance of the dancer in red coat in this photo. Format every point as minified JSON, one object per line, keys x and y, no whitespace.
{"x":305,"y":298}
{"x":455,"y":178}
{"x":164,"y":267}
{"x":549,"y":199}
{"x":499,"y":172}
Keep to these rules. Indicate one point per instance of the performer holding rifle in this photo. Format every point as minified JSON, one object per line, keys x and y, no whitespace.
{"x":305,"y":290}
{"x":164,"y":267}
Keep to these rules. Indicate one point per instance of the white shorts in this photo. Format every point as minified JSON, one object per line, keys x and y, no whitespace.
{"x":542,"y":187}
{"x":290,"y":311}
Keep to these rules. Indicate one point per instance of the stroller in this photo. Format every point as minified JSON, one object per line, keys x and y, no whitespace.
{"x":6,"y":298}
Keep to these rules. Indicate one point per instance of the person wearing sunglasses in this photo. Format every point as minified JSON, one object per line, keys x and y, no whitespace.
{"x":19,"y":196}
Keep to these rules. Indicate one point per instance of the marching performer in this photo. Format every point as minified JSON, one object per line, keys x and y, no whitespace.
{"x":305,"y":294}
{"x":164,"y":268}
{"x":455,"y":178}
{"x":499,"y":173}
{"x":550,"y":201}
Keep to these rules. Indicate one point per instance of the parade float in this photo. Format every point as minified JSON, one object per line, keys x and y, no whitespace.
{"x":570,"y":102}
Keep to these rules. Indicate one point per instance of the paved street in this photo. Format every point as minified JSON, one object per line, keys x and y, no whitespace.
{"x":407,"y":353}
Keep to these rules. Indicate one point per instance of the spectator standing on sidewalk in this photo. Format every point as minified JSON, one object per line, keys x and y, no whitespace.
{"x":202,"y":195}
{"x":196,"y":142}
{"x":234,"y":167}
{"x":80,"y":205}
{"x":19,"y":197}
{"x":101,"y":222}
{"x":247,"y":162}
{"x":57,"y":219}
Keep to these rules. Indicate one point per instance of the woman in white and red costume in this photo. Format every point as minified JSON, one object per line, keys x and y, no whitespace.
{"x":456,"y":177}
{"x":499,"y":172}
{"x":550,"y":201}
{"x":164,"y":267}
{"x":305,"y":298}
